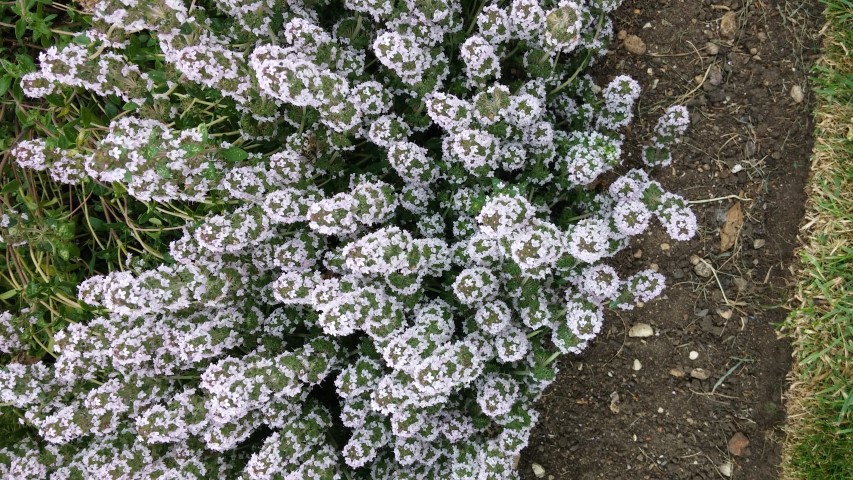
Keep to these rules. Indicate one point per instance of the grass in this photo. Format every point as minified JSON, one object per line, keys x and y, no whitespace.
{"x":819,"y":445}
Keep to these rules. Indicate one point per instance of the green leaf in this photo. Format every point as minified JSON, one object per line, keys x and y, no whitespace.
{"x":10,"y":187}
{"x":33,"y":289}
{"x":110,"y":109}
{"x":20,"y":28}
{"x":234,"y":154}
{"x":81,"y":40}
{"x":64,"y":252}
{"x":88,"y":117}
{"x":8,"y":294}
{"x":5,"y":82}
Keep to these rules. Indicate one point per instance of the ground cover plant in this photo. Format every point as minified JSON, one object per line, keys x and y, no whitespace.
{"x":394,"y":223}
{"x":66,"y":232}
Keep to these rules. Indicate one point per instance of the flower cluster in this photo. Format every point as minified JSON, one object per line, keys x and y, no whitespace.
{"x":668,"y":131}
{"x":400,"y":220}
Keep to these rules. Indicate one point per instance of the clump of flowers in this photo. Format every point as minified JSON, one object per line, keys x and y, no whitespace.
{"x":400,"y":224}
{"x":668,"y":131}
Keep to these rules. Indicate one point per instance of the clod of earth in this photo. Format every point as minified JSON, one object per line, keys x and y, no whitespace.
{"x":740,"y":283}
{"x":728,"y":25}
{"x":738,"y":444}
{"x":635,"y":45}
{"x":712,"y":48}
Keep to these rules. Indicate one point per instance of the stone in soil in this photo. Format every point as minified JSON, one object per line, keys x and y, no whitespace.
{"x":700,"y":374}
{"x":797,"y":94}
{"x":728,"y":25}
{"x":641,"y":330}
{"x":703,"y":269}
{"x":738,"y":444}
{"x":538,"y":470}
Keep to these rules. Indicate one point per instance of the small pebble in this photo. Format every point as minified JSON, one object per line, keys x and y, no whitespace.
{"x":797,"y":94}
{"x":676,"y":372}
{"x":700,"y":374}
{"x":725,"y":469}
{"x":693,"y":355}
{"x":737,"y":444}
{"x":725,"y":312}
{"x":703,"y":269}
{"x":758,"y":243}
{"x":664,"y":246}
{"x":638,"y":253}
{"x":637,"y":365}
{"x":712,"y":48}
{"x":641,"y":330}
{"x":728,"y":25}
{"x":538,"y":470}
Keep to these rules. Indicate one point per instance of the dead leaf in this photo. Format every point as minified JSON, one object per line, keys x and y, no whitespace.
{"x":731,"y":228}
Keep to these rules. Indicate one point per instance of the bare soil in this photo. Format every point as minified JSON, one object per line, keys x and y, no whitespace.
{"x":748,"y":147}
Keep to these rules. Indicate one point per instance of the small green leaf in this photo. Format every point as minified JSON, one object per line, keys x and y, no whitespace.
{"x":81,"y":40}
{"x":5,"y":83}
{"x":10,"y":187}
{"x":8,"y":294}
{"x":234,"y":154}
{"x":110,"y":109}
{"x":20,"y":28}
{"x":33,"y":289}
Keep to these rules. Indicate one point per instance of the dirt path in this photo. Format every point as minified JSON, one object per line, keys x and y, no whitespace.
{"x":702,"y":398}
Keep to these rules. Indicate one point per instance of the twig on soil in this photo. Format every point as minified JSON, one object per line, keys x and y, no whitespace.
{"x":687,"y":95}
{"x":719,"y":284}
{"x":719,"y":199}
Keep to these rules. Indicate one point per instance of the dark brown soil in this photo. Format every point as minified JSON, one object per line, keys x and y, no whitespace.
{"x":749,"y":138}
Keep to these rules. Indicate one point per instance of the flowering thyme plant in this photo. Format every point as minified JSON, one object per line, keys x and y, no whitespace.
{"x":405,"y":225}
